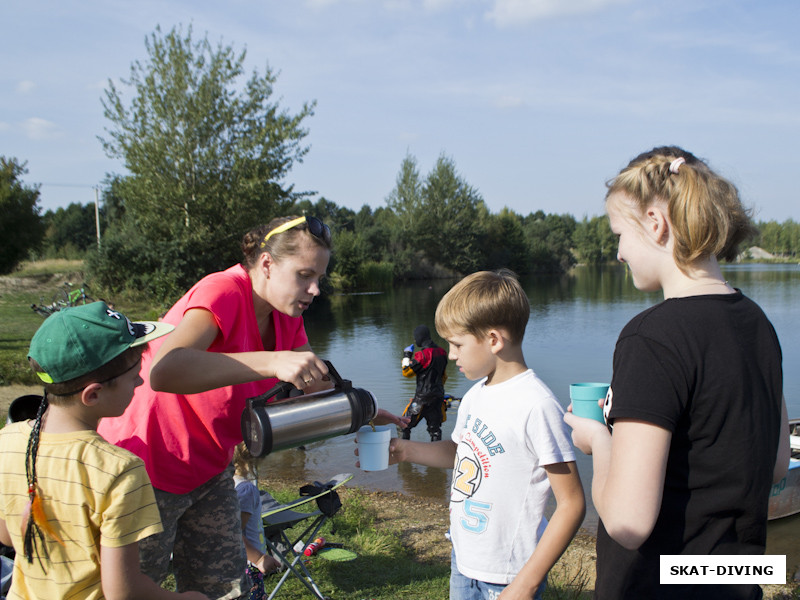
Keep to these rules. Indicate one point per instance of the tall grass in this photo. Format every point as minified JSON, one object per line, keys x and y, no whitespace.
{"x":376,"y":274}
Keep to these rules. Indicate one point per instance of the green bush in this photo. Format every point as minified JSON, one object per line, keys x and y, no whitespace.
{"x":161,"y":270}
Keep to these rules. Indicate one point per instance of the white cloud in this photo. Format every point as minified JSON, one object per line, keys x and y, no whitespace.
{"x":520,"y":12}
{"x":40,"y":129}
{"x":100,"y":84}
{"x":25,"y":87}
{"x":322,"y":3}
{"x":509,"y":102}
{"x":408,"y":136}
{"x":437,"y":5}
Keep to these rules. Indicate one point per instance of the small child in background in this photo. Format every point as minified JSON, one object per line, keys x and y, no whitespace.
{"x":73,"y":506}
{"x":259,"y":563}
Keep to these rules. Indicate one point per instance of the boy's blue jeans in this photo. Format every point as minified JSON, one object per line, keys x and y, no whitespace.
{"x":464,"y":588}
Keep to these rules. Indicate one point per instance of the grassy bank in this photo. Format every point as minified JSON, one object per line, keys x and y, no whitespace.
{"x":33,"y":284}
{"x":37,"y":283}
{"x":403,"y":553}
{"x":402,"y":550}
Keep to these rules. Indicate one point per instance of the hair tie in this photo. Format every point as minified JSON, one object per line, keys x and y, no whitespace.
{"x":676,"y":164}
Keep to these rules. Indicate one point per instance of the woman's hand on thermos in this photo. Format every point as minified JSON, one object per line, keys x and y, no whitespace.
{"x":304,"y":370}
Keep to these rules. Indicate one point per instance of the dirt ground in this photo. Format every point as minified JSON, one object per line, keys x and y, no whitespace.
{"x":424,"y":523}
{"x":9,"y":392}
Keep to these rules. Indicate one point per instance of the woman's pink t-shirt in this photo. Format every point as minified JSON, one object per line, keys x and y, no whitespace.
{"x":185,"y":440}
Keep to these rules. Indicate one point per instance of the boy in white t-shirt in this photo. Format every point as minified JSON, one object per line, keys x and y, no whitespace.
{"x":509,"y":448}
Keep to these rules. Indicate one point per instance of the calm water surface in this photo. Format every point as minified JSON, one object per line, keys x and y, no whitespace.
{"x":575,"y":320}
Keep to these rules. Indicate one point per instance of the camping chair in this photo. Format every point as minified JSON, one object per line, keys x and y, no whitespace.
{"x":279,"y":518}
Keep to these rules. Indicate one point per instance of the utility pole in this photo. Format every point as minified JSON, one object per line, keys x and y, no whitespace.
{"x":97,"y":214}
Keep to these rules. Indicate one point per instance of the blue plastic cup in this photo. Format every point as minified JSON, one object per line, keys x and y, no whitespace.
{"x":584,"y":398}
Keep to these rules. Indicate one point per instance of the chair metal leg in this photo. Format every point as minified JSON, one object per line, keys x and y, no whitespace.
{"x":292,"y":567}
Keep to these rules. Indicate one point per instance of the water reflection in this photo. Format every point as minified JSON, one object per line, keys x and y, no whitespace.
{"x":574,"y":324}
{"x":418,"y":479}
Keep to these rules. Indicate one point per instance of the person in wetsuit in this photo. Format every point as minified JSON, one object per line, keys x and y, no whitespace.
{"x":428,"y":365}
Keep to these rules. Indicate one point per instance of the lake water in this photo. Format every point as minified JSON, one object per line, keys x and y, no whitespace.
{"x":574,"y":324}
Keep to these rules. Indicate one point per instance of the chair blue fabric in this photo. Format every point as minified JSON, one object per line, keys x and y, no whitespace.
{"x":6,"y":568}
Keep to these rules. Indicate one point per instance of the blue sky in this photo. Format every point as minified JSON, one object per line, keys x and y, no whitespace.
{"x":537,"y":102}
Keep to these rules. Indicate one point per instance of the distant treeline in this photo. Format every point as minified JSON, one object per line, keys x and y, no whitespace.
{"x":374,"y":247}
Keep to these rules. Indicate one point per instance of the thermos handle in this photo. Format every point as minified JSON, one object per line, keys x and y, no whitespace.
{"x":338,"y":383}
{"x":285,"y":387}
{"x":281,"y":386}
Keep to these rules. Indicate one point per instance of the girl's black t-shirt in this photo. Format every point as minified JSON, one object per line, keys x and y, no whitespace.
{"x":708,"y":369}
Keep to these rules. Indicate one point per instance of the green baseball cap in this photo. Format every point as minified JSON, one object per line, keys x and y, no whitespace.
{"x":79,"y":339}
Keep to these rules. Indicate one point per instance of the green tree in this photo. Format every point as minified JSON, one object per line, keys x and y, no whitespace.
{"x":350,"y":254}
{"x":386,"y":242}
{"x":207,"y":153}
{"x":770,"y":236}
{"x":369,"y":227}
{"x":336,"y":217}
{"x":793,"y":236}
{"x":21,"y":226}
{"x":453,"y":223}
{"x":782,"y":239}
{"x":70,"y":231}
{"x":594,"y":242}
{"x":549,"y":239}
{"x":405,"y":199}
{"x":506,"y":243}
{"x":112,"y":203}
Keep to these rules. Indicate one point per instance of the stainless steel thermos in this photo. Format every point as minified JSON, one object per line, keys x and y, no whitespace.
{"x":295,"y":421}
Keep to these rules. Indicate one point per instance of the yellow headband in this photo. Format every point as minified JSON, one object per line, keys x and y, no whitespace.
{"x":281,"y":228}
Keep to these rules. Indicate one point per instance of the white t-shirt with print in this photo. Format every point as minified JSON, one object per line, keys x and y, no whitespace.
{"x":505,"y":434}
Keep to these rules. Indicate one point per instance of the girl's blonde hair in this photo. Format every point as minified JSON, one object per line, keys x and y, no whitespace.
{"x":244,"y":464}
{"x":483,"y":301}
{"x":707,"y":216}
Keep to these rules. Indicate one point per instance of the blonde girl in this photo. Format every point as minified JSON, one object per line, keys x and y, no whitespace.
{"x":697,"y":428}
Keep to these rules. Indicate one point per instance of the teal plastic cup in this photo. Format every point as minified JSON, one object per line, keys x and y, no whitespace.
{"x":584,"y":398}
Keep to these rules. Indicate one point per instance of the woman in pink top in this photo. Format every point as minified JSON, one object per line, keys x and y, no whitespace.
{"x":237,"y":332}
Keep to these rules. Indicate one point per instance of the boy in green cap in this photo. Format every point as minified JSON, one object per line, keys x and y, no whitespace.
{"x":73,"y":506}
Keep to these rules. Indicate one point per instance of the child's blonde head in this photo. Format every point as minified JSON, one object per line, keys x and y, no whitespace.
{"x":483,"y":301}
{"x":707,"y":216}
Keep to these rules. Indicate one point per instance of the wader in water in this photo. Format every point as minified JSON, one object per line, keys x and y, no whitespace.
{"x":427,"y":364}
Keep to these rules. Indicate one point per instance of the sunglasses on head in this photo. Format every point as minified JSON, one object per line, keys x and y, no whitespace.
{"x":315,"y":227}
